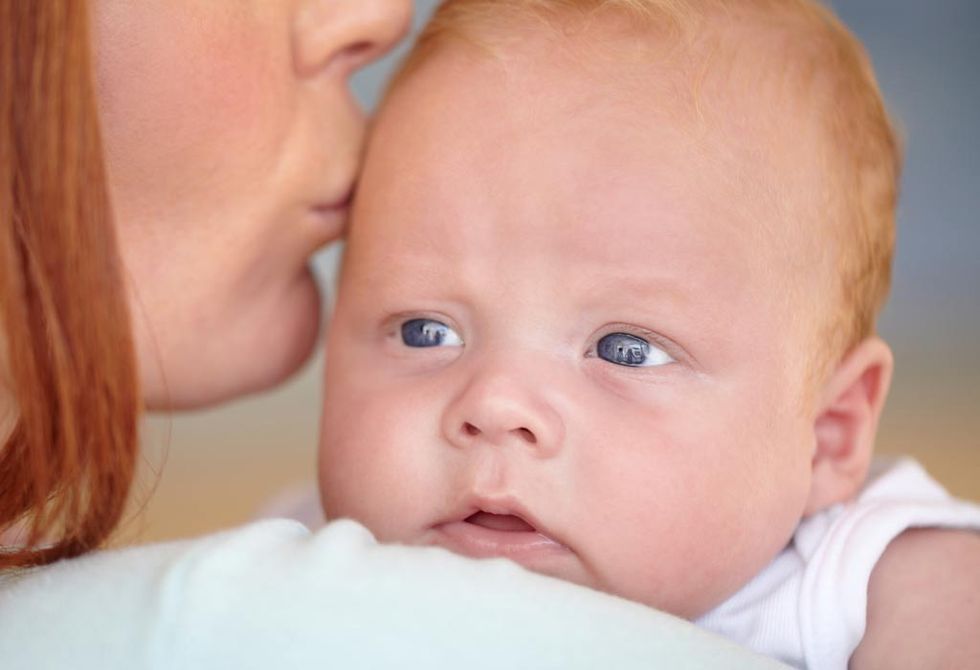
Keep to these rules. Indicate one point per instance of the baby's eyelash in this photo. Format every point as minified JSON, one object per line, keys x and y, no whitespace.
{"x":392,"y":325}
{"x":666,"y":344}
{"x":423,"y":333}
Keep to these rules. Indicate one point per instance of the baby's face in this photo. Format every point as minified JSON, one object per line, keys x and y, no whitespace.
{"x":562,"y":336}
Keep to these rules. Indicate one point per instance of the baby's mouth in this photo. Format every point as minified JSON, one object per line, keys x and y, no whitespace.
{"x":507,"y":523}
{"x":503,"y":533}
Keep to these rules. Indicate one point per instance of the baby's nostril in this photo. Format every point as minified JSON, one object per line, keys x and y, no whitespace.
{"x":470,"y":429}
{"x":527,"y":435}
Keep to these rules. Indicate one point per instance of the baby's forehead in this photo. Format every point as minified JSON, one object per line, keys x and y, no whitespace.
{"x":614,"y":126}
{"x":736,"y":111}
{"x":625,"y":103}
{"x":752,"y":61}
{"x":741,"y":85}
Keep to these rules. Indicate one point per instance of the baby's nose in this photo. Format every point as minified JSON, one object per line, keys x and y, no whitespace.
{"x":521,"y":432}
{"x":501,"y":411}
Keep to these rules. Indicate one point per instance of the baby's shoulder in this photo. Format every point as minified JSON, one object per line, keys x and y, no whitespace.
{"x":924,"y":603}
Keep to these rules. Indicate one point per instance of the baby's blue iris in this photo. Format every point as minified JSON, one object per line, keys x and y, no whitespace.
{"x":422,"y":333}
{"x":630,"y":350}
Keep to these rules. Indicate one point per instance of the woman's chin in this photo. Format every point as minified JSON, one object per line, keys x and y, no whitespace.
{"x":236,"y":357}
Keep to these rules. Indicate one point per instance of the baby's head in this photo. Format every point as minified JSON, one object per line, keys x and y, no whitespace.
{"x":609,"y":297}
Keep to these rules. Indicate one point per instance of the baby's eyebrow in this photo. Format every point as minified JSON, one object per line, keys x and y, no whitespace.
{"x":661,"y":287}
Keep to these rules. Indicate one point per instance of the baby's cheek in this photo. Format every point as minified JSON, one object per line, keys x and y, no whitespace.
{"x":371,"y":466}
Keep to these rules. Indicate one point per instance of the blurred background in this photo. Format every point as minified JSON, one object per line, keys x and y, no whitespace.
{"x":218,"y":468}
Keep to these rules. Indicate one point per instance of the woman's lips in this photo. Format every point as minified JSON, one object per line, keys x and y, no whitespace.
{"x":329,"y":218}
{"x":486,"y":535}
{"x":339,"y":204}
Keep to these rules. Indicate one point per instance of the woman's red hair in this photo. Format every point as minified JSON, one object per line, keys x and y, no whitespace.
{"x":67,"y":465}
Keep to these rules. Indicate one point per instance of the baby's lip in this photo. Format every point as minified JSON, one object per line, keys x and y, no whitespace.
{"x":486,"y":509}
{"x":497,"y":527}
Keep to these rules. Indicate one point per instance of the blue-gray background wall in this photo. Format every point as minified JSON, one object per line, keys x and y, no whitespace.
{"x":221,"y":464}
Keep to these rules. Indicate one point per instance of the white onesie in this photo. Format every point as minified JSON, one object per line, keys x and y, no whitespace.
{"x":808,"y":607}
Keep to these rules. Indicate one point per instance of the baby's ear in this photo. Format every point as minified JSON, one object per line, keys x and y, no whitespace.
{"x":846,"y":422}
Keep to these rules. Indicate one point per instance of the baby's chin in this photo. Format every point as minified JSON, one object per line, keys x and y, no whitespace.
{"x":689,"y":592}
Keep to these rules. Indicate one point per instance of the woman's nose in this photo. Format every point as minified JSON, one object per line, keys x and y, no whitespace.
{"x":346,"y":34}
{"x":503,"y":411}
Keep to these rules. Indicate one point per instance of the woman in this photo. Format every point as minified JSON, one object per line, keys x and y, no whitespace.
{"x":224,"y":136}
{"x":231,"y":145}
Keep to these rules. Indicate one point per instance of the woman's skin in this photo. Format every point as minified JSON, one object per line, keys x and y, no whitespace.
{"x":232,"y":144}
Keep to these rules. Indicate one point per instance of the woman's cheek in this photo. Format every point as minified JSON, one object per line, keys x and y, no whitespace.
{"x":180,"y":90}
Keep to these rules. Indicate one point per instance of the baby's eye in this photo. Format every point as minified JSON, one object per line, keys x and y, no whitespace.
{"x":422,"y":333}
{"x":631,"y":351}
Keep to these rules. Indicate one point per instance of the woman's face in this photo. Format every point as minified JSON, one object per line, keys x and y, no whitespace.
{"x":232,"y":144}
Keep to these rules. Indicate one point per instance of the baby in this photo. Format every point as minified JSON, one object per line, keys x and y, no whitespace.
{"x":608,"y":307}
